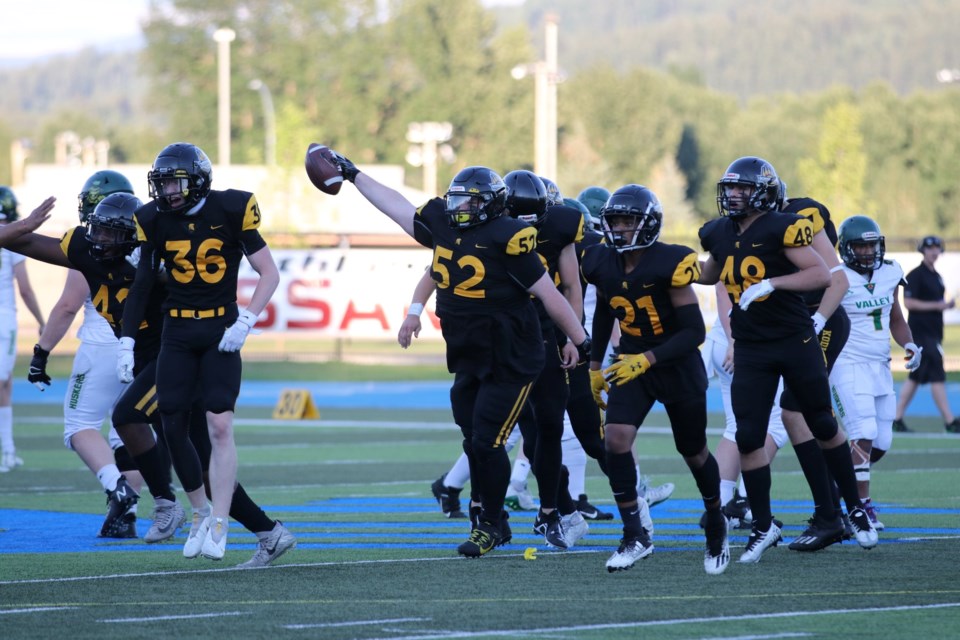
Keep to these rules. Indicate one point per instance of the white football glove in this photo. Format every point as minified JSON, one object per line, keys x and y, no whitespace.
{"x":914,"y":355}
{"x":754,"y":291}
{"x":125,"y":360}
{"x":134,"y":257}
{"x":819,"y":322}
{"x":235,"y":335}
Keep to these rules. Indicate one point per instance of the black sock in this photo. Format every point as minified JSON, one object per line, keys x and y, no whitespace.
{"x":155,"y":469}
{"x":708,"y":482}
{"x":757,"y":482}
{"x":811,"y":460}
{"x":840,"y":465}
{"x":248,"y":513}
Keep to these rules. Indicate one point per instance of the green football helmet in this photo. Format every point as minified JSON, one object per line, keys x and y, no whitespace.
{"x":861,"y":244}
{"x":593,"y":198}
{"x":579,"y":206}
{"x":97,"y":187}
{"x":8,"y":205}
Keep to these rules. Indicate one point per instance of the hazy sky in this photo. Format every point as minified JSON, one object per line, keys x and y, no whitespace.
{"x":33,"y":28}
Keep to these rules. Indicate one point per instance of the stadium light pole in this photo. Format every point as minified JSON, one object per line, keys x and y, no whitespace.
{"x":269,"y":121}
{"x":546,"y":75}
{"x":424,"y":138}
{"x":223,"y":37}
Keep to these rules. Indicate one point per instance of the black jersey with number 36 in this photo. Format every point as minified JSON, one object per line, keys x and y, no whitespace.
{"x":749,"y":257}
{"x":202,"y":253}
{"x":640,"y":299}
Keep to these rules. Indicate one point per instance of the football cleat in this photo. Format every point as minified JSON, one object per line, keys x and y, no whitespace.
{"x":123,"y":527}
{"x":574,"y":528}
{"x":119,"y":502}
{"x":197,"y":535}
{"x":10,"y":461}
{"x":655,"y":495}
{"x":899,"y":426}
{"x":738,"y":511}
{"x":551,"y":528}
{"x":629,"y":551}
{"x":447,"y":497}
{"x":820,"y":534}
{"x":951,"y":427}
{"x":270,"y":547}
{"x":759,"y":542}
{"x":215,"y":544}
{"x":716,"y":556}
{"x":168,"y":515}
{"x":589,"y":511}
{"x":519,"y":497}
{"x":871,"y":510}
{"x":863,"y":530}
{"x":506,"y":534}
{"x":483,"y":539}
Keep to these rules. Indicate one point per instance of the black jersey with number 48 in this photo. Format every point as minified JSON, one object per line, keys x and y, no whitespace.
{"x":749,"y":257}
{"x":109,"y":283}
{"x":819,"y":216}
{"x":202,"y":253}
{"x":640,"y":299}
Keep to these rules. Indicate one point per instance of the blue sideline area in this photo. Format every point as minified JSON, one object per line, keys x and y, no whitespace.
{"x":403,"y":395}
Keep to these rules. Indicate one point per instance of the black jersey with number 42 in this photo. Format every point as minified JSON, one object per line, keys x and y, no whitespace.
{"x":109,"y":283}
{"x":640,"y":299}
{"x":202,"y":252}
{"x":749,"y":257}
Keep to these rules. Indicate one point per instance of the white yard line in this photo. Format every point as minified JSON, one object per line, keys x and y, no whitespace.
{"x":180,"y":617}
{"x":353,"y":623}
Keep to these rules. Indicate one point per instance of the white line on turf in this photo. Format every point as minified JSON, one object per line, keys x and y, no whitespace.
{"x":180,"y":617}
{"x":770,"y":636}
{"x":354,"y":623}
{"x":4,"y":612}
{"x":662,"y":623}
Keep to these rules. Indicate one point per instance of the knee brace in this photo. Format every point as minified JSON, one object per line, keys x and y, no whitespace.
{"x":822,"y":424}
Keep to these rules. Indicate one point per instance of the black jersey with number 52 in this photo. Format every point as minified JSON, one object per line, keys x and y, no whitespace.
{"x":640,"y":299}
{"x":749,"y":257}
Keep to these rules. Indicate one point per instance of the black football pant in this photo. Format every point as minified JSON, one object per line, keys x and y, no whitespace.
{"x":585,"y":417}
{"x":549,"y":400}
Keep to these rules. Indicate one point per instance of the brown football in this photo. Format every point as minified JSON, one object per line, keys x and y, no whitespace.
{"x":322,"y":170}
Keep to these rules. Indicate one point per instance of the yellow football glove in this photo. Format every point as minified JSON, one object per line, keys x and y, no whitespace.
{"x":598,"y":385}
{"x":627,"y":367}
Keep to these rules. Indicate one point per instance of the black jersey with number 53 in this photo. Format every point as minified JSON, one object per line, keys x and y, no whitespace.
{"x":750,"y":257}
{"x":109,"y":283}
{"x":640,"y":299}
{"x":202,"y":253}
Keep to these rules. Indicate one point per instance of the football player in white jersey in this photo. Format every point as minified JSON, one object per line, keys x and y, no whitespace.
{"x":861,"y":380}
{"x":12,"y":268}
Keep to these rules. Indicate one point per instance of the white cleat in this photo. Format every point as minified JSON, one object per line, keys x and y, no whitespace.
{"x":759,"y":542}
{"x":215,"y":544}
{"x":716,"y":556}
{"x":198,"y":533}
{"x":629,"y":552}
{"x":168,"y":516}
{"x":574,"y":528}
{"x":866,"y":535}
{"x":271,"y":547}
{"x":658,"y":494}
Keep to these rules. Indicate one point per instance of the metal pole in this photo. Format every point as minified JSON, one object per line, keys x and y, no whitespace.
{"x":552,"y":73}
{"x":223,"y":38}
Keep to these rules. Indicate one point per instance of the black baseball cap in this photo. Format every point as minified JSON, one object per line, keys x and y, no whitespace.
{"x":930,"y":241}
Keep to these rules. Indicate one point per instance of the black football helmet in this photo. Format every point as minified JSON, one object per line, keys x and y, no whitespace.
{"x":99,"y":186}
{"x":553,"y":192}
{"x":476,"y":195}
{"x":8,"y":205}
{"x":643,"y":206}
{"x":111,"y":229}
{"x":526,"y":196}
{"x":755,"y":173}
{"x":190,"y":167}
{"x":861,"y":231}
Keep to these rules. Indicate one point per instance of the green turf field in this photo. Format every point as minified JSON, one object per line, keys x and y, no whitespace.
{"x":375,"y":558}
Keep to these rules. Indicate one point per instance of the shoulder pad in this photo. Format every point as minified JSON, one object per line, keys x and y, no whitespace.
{"x":687,"y":269}
{"x":798,"y":232}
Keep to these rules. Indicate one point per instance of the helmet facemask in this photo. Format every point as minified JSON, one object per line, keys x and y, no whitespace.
{"x":630,"y":231}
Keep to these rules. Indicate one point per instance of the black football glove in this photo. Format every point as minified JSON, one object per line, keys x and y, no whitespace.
{"x":348,"y":170}
{"x":583,"y":350}
{"x":38,"y":368}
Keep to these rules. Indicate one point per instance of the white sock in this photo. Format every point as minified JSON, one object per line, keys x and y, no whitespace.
{"x":459,"y":473}
{"x":521,"y":470}
{"x":575,"y":459}
{"x":6,"y":430}
{"x":108,"y":476}
{"x":727,"y":487}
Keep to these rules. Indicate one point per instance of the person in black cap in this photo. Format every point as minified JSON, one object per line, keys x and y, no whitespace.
{"x":924,"y":299}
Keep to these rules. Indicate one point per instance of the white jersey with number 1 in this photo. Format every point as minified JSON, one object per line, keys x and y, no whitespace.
{"x":868,"y":302}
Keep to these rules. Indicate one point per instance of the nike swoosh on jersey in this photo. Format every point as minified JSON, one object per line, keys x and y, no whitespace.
{"x":756,"y":244}
{"x":212,"y":227}
{"x":807,"y":340}
{"x":647,"y":286}
{"x":480,"y":246}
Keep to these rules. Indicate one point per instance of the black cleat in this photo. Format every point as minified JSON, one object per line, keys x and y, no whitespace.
{"x":124,"y":527}
{"x":447,"y":497}
{"x":738,"y":511}
{"x":550,"y":527}
{"x":590,"y":512}
{"x":899,"y":426}
{"x":951,"y":427}
{"x":482,"y":540}
{"x":819,"y":535}
{"x":506,"y":535}
{"x":119,"y":502}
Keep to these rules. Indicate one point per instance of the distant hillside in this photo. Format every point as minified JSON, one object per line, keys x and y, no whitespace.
{"x":750,"y":48}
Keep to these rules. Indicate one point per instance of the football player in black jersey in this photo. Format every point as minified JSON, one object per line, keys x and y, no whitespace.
{"x":486,"y":266}
{"x":645,"y":285}
{"x":200,"y":235}
{"x":765,"y":260}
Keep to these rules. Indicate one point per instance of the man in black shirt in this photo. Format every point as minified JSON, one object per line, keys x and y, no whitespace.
{"x":924,"y":298}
